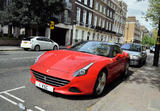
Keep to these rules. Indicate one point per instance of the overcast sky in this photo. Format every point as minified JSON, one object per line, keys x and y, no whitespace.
{"x":137,"y":9}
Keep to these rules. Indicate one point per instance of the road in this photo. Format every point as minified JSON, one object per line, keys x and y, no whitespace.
{"x":17,"y":92}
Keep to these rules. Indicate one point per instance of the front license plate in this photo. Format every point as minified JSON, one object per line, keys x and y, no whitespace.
{"x":44,"y":86}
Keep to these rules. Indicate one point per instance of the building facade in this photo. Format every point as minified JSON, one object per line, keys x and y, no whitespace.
{"x":101,"y":20}
{"x":132,"y":31}
{"x":96,"y":19}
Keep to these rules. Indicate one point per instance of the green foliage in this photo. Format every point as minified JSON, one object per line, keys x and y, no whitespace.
{"x":153,"y":12}
{"x":149,"y":41}
{"x":31,"y":13}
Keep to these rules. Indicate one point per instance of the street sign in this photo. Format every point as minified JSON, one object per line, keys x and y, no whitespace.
{"x":52,"y":25}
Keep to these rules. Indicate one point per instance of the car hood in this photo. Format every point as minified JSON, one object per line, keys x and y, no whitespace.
{"x":66,"y":60}
{"x":133,"y":53}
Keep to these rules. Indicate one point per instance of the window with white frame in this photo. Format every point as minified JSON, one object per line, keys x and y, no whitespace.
{"x":78,"y":14}
{"x":90,"y":19}
{"x":95,"y":20}
{"x":104,"y":10}
{"x":91,"y":3}
{"x":82,"y":35}
{"x":106,"y":25}
{"x":103,"y":23}
{"x":108,"y":12}
{"x":76,"y":34}
{"x":100,"y":8}
{"x":100,"y":20}
{"x":96,"y":5}
{"x":84,"y":16}
{"x":85,"y":2}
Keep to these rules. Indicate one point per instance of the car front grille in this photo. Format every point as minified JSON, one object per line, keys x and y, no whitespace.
{"x":54,"y":81}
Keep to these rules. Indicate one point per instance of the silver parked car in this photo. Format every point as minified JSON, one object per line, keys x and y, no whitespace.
{"x":137,"y":52}
{"x":38,"y":43}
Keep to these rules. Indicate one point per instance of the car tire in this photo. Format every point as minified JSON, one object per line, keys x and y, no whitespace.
{"x":55,"y":48}
{"x":37,"y":48}
{"x":100,"y":84}
{"x":26,"y":49}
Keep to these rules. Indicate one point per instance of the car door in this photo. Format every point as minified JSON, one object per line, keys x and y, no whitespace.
{"x":49,"y":44}
{"x":118,"y":61}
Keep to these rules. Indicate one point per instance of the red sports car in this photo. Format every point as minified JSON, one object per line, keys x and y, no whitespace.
{"x":83,"y":69}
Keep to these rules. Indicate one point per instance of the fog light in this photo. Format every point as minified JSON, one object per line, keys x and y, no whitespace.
{"x":74,"y":89}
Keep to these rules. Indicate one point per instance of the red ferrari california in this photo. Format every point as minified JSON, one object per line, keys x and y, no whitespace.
{"x":83,"y":69}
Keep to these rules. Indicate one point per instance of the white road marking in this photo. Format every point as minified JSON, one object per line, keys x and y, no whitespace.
{"x":14,"y":97}
{"x":12,"y":89}
{"x":39,"y":108}
{"x":8,"y":100}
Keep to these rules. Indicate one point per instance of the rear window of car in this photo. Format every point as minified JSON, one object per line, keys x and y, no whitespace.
{"x":28,"y":38}
{"x":132,"y":47}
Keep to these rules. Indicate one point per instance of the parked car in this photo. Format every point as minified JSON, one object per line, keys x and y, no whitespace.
{"x":152,"y":49}
{"x":137,"y":52}
{"x":83,"y":69}
{"x":38,"y":43}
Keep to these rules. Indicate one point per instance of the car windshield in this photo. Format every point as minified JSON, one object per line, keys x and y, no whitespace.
{"x":132,"y":47}
{"x":92,"y":47}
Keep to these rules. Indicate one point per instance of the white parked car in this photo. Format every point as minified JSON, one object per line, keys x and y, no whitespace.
{"x":38,"y":43}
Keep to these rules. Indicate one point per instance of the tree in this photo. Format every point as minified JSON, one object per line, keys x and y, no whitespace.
{"x":153,"y":13}
{"x":32,"y":14}
{"x":149,"y":41}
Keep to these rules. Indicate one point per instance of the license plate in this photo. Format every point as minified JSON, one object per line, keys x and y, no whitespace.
{"x":25,"y":42}
{"x":44,"y":86}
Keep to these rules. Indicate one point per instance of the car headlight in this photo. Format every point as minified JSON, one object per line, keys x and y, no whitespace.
{"x":83,"y":71}
{"x":135,"y":57}
{"x":38,"y":58}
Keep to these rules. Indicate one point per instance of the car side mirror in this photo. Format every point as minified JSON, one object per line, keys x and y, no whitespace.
{"x":119,"y":56}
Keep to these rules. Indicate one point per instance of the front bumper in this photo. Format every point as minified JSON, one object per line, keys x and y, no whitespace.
{"x":134,"y":62}
{"x":82,"y":85}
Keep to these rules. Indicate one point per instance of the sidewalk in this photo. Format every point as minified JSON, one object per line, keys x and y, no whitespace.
{"x":10,"y":48}
{"x":140,"y":92}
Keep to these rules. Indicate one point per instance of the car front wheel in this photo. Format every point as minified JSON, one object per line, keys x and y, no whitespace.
{"x":100,"y":83}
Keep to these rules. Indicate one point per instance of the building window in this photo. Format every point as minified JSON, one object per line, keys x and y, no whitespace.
{"x":91,"y":3}
{"x":103,"y":22}
{"x":106,"y":25}
{"x":84,"y":16}
{"x":95,"y":20}
{"x":90,"y":19}
{"x":100,"y":21}
{"x":108,"y":12}
{"x":76,"y":35}
{"x":104,"y":10}
{"x":93,"y":36}
{"x":96,"y":5}
{"x":82,"y":35}
{"x":78,"y":14}
{"x":100,"y":8}
{"x":85,"y":2}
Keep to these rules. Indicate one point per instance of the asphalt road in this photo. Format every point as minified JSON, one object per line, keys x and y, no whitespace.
{"x":18,"y":93}
{"x":16,"y":89}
